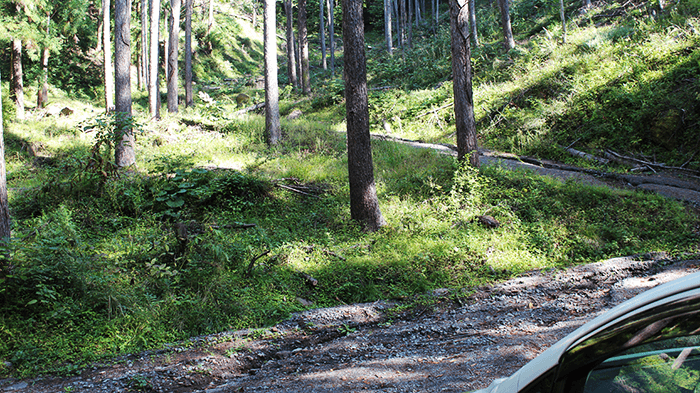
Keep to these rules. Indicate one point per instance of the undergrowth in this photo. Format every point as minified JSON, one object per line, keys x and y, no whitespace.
{"x":213,"y":231}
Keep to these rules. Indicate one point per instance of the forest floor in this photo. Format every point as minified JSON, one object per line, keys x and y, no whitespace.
{"x":446,"y":342}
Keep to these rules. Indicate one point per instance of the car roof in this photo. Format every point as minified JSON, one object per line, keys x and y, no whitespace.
{"x":550,"y":358}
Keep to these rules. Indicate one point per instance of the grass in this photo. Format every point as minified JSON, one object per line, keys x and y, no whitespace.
{"x":101,"y":267}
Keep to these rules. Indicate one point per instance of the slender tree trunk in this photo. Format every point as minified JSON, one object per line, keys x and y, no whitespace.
{"x":17,"y":78}
{"x":387,"y":27}
{"x":322,"y":34}
{"x":174,"y":22}
{"x":5,"y":266}
{"x":364,"y":205}
{"x":153,"y":101}
{"x":124,"y":152}
{"x":437,"y":12}
{"x":587,"y":4}
{"x":273,"y":130}
{"x":399,"y":27}
{"x":297,"y":54}
{"x":563,"y":21}
{"x":505,"y":22}
{"x":472,"y":22}
{"x":98,"y":47}
{"x":403,"y":31}
{"x":304,"y":46}
{"x":331,"y":32}
{"x":291,"y":55}
{"x":189,"y":98}
{"x":462,"y":75}
{"x":210,"y":21}
{"x":409,"y":24}
{"x":42,"y":96}
{"x":107,"y":57}
{"x":144,"y":42}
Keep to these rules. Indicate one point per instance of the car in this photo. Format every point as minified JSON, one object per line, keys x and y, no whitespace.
{"x":650,"y":343}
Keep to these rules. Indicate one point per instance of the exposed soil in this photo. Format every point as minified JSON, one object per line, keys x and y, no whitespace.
{"x":454,"y":343}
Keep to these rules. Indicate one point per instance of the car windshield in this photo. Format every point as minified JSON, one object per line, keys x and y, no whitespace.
{"x":671,"y":365}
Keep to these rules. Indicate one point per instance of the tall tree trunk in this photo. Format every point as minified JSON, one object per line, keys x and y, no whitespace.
{"x":291,"y":55}
{"x":144,"y":42}
{"x":364,"y":205}
{"x":107,"y":57}
{"x":403,"y":31}
{"x":210,"y":20}
{"x":153,"y":101}
{"x":563,"y":21}
{"x":42,"y":96}
{"x":399,"y":29}
{"x":174,"y":22}
{"x":124,"y":152}
{"x":98,"y":46}
{"x":331,"y":32}
{"x":5,"y":266}
{"x":387,"y":27}
{"x":17,"y":78}
{"x":297,"y":54}
{"x":462,"y":85}
{"x":437,"y":12}
{"x":322,"y":34}
{"x":273,"y":130}
{"x":189,"y":98}
{"x":472,"y":22}
{"x":409,"y":24}
{"x":304,"y":46}
{"x":508,"y":41}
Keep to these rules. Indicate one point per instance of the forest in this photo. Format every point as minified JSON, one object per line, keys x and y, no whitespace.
{"x":177,"y":169}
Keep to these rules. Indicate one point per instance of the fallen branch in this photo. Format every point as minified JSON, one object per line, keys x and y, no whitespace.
{"x":586,"y":156}
{"x":292,"y":189}
{"x":249,"y":271}
{"x":250,"y":109}
{"x":434,"y":110}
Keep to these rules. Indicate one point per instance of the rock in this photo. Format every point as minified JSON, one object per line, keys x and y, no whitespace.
{"x":488,"y":221}
{"x":305,"y":302}
{"x":295,"y":114}
{"x":17,"y":386}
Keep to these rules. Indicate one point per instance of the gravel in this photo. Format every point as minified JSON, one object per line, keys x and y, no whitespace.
{"x":456,"y":343}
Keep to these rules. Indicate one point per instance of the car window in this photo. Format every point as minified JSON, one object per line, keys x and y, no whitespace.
{"x":671,"y":365}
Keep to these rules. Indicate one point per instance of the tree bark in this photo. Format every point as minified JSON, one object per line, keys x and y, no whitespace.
{"x":153,"y":101}
{"x":563,"y":21}
{"x":124,"y":151}
{"x":5,"y":266}
{"x":42,"y":96}
{"x":304,"y":47}
{"x":387,"y":27}
{"x":174,"y":41}
{"x":472,"y":22}
{"x":17,"y":78}
{"x":462,"y":74}
{"x":322,"y":34}
{"x":210,"y":21}
{"x":364,"y":205}
{"x":107,"y":57}
{"x":189,"y":98}
{"x":273,"y":130}
{"x":331,"y":33}
{"x":404,"y":28}
{"x":508,"y":42}
{"x":144,"y":42}
{"x":291,"y":55}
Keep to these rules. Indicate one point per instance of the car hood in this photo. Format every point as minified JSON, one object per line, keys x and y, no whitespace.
{"x":550,"y":358}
